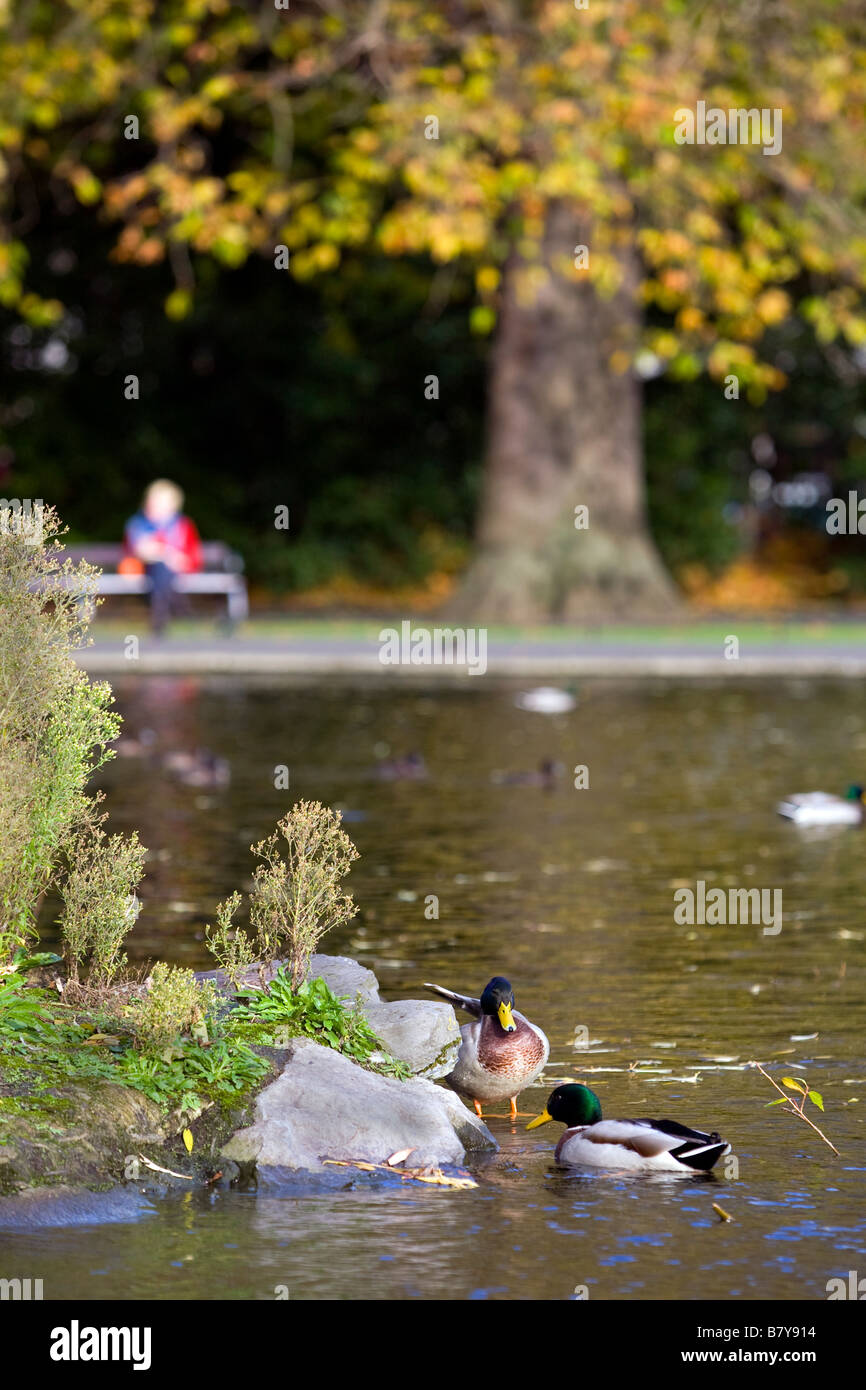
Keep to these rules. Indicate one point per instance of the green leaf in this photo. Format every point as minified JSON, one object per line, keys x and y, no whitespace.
{"x":22,"y":961}
{"x":783,"y":1100}
{"x":817,"y":1099}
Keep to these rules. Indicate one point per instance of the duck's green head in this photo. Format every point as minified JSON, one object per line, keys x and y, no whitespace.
{"x":498,"y":1001}
{"x":570,"y":1105}
{"x":854,"y":793}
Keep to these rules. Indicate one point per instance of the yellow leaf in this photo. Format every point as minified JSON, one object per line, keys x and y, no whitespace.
{"x":187,"y":1139}
{"x":487,"y":279}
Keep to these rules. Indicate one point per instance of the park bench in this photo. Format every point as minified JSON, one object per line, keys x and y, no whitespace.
{"x":221,"y":573}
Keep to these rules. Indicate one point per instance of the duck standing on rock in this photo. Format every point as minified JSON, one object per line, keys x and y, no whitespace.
{"x":501,"y":1053}
{"x":648,"y":1146}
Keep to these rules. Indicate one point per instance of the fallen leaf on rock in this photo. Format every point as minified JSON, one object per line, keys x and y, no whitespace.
{"x":398,"y":1157}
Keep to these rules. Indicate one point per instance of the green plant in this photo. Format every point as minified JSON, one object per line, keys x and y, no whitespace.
{"x":230,"y":947}
{"x":296,"y":896}
{"x":174,"y":1005}
{"x":99,"y":902}
{"x":55,"y":725}
{"x":45,"y":1041}
{"x":220,"y":1072}
{"x":19,"y":1010}
{"x":313,"y":1011}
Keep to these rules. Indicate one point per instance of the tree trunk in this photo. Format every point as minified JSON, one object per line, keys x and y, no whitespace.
{"x":564,"y":431}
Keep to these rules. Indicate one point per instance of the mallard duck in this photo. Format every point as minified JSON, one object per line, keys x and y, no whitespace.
{"x":821,"y":808}
{"x":501,"y":1053}
{"x":199,"y":769}
{"x":547,"y":699}
{"x":545,"y":775}
{"x":411,"y":768}
{"x":645,"y":1145}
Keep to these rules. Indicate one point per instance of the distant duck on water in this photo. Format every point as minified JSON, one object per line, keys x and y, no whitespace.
{"x":547,"y":699}
{"x":545,"y":775}
{"x":199,"y":769}
{"x":410,"y":768}
{"x":821,"y":808}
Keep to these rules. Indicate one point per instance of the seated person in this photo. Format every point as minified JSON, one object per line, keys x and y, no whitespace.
{"x":165,"y":542}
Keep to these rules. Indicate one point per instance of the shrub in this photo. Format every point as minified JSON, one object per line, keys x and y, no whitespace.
{"x":230,"y":947}
{"x":296,"y":896}
{"x":175,"y":1004}
{"x":55,"y":725}
{"x":99,"y":902}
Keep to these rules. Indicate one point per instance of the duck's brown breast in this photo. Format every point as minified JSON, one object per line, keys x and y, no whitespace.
{"x":509,"y":1053}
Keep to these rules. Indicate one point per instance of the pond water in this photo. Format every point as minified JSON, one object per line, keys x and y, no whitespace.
{"x":570,"y":893}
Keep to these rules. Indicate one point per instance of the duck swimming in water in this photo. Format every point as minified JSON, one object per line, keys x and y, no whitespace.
{"x":199,"y":769}
{"x":501,"y":1053}
{"x":411,"y":768}
{"x":547,"y":699}
{"x":545,"y":775}
{"x":648,"y":1146}
{"x":820,"y":808}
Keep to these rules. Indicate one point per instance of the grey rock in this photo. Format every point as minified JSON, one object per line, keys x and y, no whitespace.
{"x":423,"y":1034}
{"x":325,"y":1106}
{"x":70,"y":1206}
{"x":343,"y":976}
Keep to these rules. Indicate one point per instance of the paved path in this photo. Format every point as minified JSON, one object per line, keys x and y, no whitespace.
{"x":536,"y":660}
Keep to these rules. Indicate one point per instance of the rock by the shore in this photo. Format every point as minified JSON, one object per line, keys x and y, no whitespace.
{"x":344,"y":977}
{"x":81,"y":1132}
{"x":325,"y":1106}
{"x":423,"y":1033}
{"x":420,"y":1032}
{"x":37,"y":1207}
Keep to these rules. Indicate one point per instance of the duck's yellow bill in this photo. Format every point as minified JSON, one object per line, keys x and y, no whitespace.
{"x":506,"y":1018}
{"x":541,"y":1119}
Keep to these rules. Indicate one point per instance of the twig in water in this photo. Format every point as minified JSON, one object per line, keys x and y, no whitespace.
{"x":800,"y":1086}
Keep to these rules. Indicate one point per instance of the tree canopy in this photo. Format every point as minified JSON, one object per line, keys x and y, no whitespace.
{"x":187,"y":138}
{"x":310,"y":127}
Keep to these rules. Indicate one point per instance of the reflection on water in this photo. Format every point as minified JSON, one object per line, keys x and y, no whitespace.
{"x":571,"y":894}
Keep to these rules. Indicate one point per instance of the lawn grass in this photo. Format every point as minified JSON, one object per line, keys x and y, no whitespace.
{"x":806,"y":631}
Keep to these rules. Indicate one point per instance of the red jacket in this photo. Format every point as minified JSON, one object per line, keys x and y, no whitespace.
{"x":180,"y":533}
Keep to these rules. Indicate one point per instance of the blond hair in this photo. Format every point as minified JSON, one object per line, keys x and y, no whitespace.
{"x":168,"y":489}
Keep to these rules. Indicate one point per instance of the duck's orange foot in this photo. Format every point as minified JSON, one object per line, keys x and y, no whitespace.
{"x":513,"y":1113}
